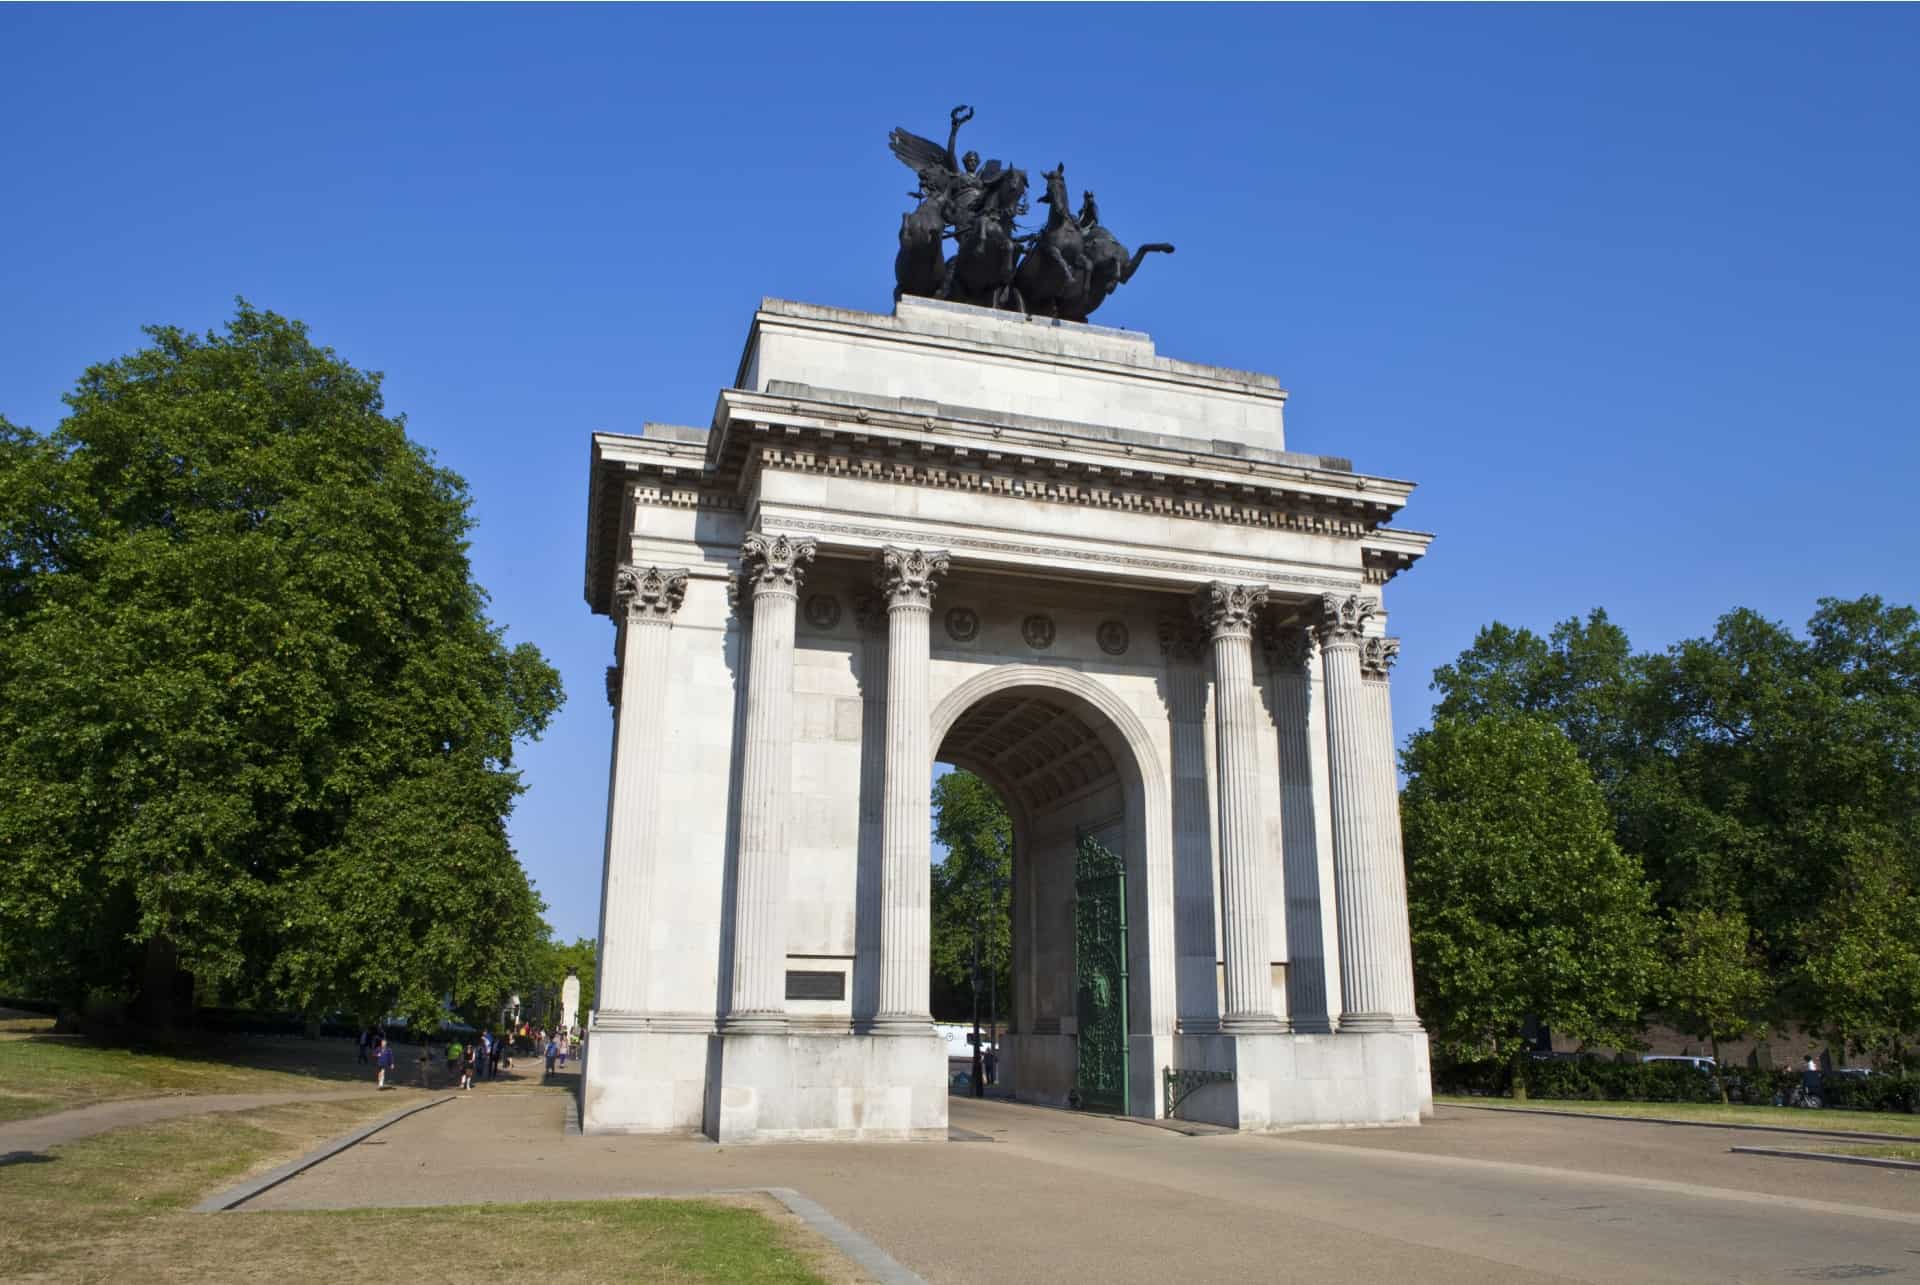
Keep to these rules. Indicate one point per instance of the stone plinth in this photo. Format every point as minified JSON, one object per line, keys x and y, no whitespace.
{"x":818,"y":1088}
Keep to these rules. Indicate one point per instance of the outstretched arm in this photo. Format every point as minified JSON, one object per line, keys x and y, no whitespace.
{"x":959,"y":116}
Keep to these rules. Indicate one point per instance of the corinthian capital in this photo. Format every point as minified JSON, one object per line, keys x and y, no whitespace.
{"x":907,"y":577}
{"x":1226,"y":608}
{"x":1344,"y":616}
{"x":1289,"y":648}
{"x":649,"y":593}
{"x":773,"y":563}
{"x":1377,"y":656}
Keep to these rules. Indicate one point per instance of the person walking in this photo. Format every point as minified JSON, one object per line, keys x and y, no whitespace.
{"x":553,"y":1053}
{"x":382,"y":1062}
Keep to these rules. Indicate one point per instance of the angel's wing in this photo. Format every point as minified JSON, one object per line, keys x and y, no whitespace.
{"x":916,"y":153}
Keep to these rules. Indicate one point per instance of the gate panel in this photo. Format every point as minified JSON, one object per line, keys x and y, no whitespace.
{"x":1100,"y":978}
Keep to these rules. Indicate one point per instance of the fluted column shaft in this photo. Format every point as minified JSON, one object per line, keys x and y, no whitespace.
{"x":907,"y":578}
{"x":771,"y":569}
{"x":1376,"y":958}
{"x":647,"y":598}
{"x":1227,"y":610}
{"x":1307,"y":1001}
{"x":1186,"y":648}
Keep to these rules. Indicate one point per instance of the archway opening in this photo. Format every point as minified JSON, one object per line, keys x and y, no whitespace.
{"x":1059,"y":774}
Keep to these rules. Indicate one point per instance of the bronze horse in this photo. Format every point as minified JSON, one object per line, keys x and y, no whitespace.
{"x":920,"y":265}
{"x":1054,"y":276}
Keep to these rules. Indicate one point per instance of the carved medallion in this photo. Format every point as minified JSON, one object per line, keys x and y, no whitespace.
{"x":823,"y":611}
{"x":963,"y":624}
{"x":1113,"y":637}
{"x":1038,"y":631}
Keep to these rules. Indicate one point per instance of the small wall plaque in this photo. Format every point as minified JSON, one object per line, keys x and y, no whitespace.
{"x":816,"y":985}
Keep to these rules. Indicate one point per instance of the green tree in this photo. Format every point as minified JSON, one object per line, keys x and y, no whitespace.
{"x":1713,"y":982}
{"x":256,"y":721}
{"x":1522,"y":906}
{"x":1862,"y":968}
{"x":973,"y":885}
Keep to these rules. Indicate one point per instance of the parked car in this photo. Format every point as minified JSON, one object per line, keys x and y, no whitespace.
{"x":1705,"y":1065}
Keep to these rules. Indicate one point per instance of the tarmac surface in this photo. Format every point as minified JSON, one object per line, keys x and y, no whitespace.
{"x":1470,"y":1196}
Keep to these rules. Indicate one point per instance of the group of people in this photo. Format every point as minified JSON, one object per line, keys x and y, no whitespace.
{"x":481,"y":1058}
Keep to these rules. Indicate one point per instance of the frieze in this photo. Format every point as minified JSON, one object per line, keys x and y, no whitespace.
{"x":1113,"y":637}
{"x":1050,"y":490}
{"x":649,"y":593}
{"x":1284,"y":578}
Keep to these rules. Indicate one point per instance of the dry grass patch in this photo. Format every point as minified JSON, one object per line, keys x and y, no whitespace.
{"x":114,"y":1208}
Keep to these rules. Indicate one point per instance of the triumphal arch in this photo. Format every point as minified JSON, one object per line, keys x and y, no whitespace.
{"x":1090,"y":573}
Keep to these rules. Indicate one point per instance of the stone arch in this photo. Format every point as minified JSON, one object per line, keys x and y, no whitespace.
{"x":1146,"y":788}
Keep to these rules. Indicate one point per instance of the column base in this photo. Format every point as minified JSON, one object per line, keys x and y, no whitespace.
{"x":1254,"y":1024}
{"x":643,"y":1081}
{"x":754,"y":1024}
{"x":1370,"y":1023}
{"x":894,"y":1025}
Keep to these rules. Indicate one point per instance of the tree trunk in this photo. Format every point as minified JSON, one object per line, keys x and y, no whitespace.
{"x":1719,"y":1077}
{"x":1520,"y":1074}
{"x":155,"y":1007}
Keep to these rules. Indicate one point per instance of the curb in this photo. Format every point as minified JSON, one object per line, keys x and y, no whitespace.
{"x":873,"y":1260}
{"x":1843,"y":1134}
{"x":1782,"y":1153}
{"x":234,"y":1197}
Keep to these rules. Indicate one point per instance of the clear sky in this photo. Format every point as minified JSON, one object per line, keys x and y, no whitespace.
{"x":1631,"y":291}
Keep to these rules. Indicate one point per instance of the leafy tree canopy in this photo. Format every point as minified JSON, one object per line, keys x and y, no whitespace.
{"x":255,"y":714}
{"x":972,"y":887}
{"x":1522,"y":906}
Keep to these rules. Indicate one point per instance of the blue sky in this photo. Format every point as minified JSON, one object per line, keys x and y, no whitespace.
{"x":1630,"y":290}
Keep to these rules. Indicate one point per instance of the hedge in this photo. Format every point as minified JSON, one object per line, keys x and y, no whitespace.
{"x":1601,"y":1080}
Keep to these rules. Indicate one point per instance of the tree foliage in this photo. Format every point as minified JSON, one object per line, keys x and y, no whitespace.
{"x":255,"y":713}
{"x":1522,"y":906}
{"x":1759,"y":774}
{"x":972,"y":887}
{"x":1713,"y":981}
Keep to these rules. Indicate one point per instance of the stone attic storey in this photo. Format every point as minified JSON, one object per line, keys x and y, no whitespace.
{"x":1091,"y":574}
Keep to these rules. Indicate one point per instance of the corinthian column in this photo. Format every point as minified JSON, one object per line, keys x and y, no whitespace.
{"x":770,"y":572}
{"x":1376,"y":957}
{"x":647,"y":598}
{"x":1227,"y":610}
{"x":906,"y":578}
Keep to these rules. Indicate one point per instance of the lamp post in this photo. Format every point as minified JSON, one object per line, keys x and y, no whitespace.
{"x":979,"y":1087}
{"x":993,"y":991}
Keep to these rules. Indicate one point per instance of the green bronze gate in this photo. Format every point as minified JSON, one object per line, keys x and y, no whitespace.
{"x":1100,"y":978}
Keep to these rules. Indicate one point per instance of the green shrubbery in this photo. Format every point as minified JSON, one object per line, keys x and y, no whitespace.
{"x":1600,"y":1080}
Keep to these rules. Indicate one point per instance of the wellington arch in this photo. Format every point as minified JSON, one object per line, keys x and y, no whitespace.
{"x":1091,"y":574}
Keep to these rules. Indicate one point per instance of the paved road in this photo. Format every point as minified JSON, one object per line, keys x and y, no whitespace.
{"x":1468,"y":1198}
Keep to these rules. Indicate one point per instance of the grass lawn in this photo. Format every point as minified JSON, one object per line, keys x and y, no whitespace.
{"x":1881,"y":1151}
{"x":38,"y":1076}
{"x":114,"y":1208}
{"x":1711,"y":1113}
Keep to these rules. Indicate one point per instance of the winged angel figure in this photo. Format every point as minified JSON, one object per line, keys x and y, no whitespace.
{"x":958,"y":198}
